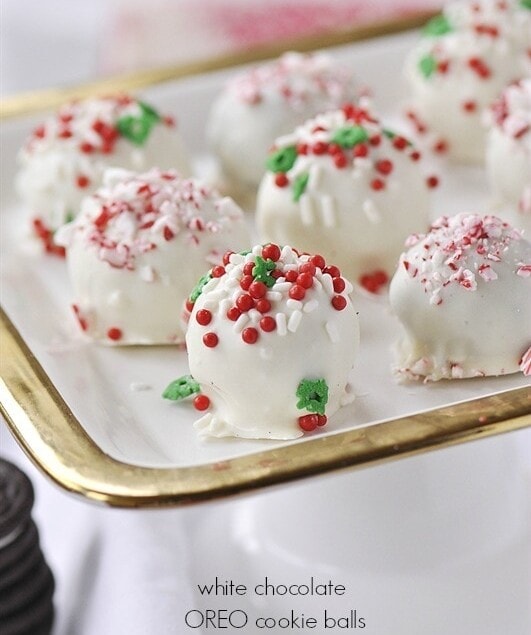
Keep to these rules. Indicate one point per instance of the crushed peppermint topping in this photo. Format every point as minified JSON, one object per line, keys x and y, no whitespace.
{"x":268,"y":291}
{"x":132,"y":214}
{"x":460,"y":250}
{"x":296,"y":78}
{"x":525,"y":363}
{"x":351,"y":140}
{"x":511,"y":113}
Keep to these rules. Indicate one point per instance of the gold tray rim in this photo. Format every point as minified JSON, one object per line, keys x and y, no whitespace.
{"x":56,"y":442}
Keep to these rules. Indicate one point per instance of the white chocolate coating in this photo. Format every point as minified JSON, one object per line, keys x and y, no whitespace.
{"x":509,"y":155}
{"x":138,"y":246}
{"x":252,"y":387}
{"x":267,"y":102}
{"x":463,"y":295}
{"x":340,"y":213}
{"x":65,"y":158}
{"x":456,"y":75}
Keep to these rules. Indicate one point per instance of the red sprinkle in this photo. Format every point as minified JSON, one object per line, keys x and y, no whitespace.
{"x":203,"y":317}
{"x":377,"y":185}
{"x":263,"y":305}
{"x":340,"y":161}
{"x":290,"y":275}
{"x":339,"y":285}
{"x":281,"y":180}
{"x":432,"y":181}
{"x":271,"y":252}
{"x":400,"y":143}
{"x":375,"y":141}
{"x":441,"y":147}
{"x":257,"y":290}
{"x":210,"y":339}
{"x":321,"y":420}
{"x":82,"y":181}
{"x":320,"y":147}
{"x":339,"y":302}
{"x":415,"y":155}
{"x":245,"y":302}
{"x":302,"y":148}
{"x":384,"y":166}
{"x":360,"y":150}
{"x":226,"y":257}
{"x":470,"y":106}
{"x":233,"y":313}
{"x":297,"y":292}
{"x":201,"y":402}
{"x":318,"y":261}
{"x":333,"y":271}
{"x":168,"y":234}
{"x":373,"y":282}
{"x":305,"y":280}
{"x":268,"y":324}
{"x":308,"y":422}
{"x":114,"y":334}
{"x":246,"y":282}
{"x":86,"y":147}
{"x":248,"y":268}
{"x":81,"y":320}
{"x":218,"y":271}
{"x":308,"y":267}
{"x":249,"y":335}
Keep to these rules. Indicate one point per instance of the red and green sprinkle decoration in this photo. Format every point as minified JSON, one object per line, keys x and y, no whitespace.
{"x":137,"y":129}
{"x":184,"y":387}
{"x":312,"y":395}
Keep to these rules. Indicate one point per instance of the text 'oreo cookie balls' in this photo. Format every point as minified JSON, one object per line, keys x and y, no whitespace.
{"x":267,"y":101}
{"x":271,"y":341}
{"x":509,"y":155}
{"x":65,"y":158}
{"x":464,"y":59}
{"x":138,"y":246}
{"x":463,"y":294}
{"x":346,"y":186}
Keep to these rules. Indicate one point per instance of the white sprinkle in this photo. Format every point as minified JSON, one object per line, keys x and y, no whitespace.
{"x":327,"y":283}
{"x":317,"y":284}
{"x":280,"y":319}
{"x":224,"y":306}
{"x":116,"y":299}
{"x":147,"y":273}
{"x":232,"y":282}
{"x":210,"y":304}
{"x":240,"y":323}
{"x":332,"y":331}
{"x":236,"y":295}
{"x":314,"y":178}
{"x":254,"y":315}
{"x":328,"y":210}
{"x":265,"y":353}
{"x":273,"y":296}
{"x":294,"y":321}
{"x":371,"y":211}
{"x":306,"y":208}
{"x":294,"y":305}
{"x":310,"y":306}
{"x":136,"y":386}
{"x":286,"y":255}
{"x":213,"y":282}
{"x":256,"y":251}
{"x":282,"y":286}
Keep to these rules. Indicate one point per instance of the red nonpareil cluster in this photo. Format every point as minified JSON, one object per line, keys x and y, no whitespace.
{"x":360,"y":136}
{"x":260,"y":275}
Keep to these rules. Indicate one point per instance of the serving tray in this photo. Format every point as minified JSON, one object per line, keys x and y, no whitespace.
{"x":93,"y":418}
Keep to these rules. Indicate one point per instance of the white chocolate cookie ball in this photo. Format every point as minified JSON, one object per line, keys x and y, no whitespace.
{"x":138,"y":246}
{"x":271,"y":341}
{"x":463,"y":294}
{"x":344,"y":185}
{"x":509,"y":155}
{"x":268,"y":101}
{"x":65,"y":158}
{"x":466,"y":57}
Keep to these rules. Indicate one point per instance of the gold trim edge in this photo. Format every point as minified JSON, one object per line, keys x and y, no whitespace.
{"x":56,"y":442}
{"x":40,"y":100}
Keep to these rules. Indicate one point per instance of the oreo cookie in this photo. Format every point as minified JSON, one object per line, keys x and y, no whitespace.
{"x":26,"y":582}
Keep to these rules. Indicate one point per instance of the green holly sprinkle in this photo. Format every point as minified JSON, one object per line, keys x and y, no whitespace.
{"x":262,"y":271}
{"x":313,"y":395}
{"x":299,"y":185}
{"x":437,"y":26}
{"x":282,"y":160}
{"x":526,"y":4}
{"x":181,"y":388}
{"x":427,"y":65}
{"x":196,"y":291}
{"x":69,"y":217}
{"x":349,"y":136}
{"x":138,"y":129}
